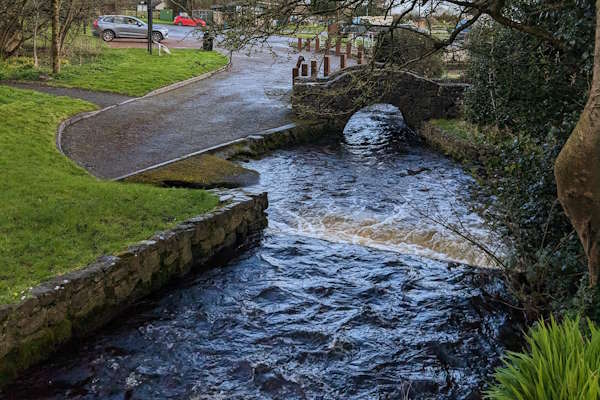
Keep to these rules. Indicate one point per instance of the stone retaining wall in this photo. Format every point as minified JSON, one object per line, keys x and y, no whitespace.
{"x":75,"y":304}
{"x":260,"y":144}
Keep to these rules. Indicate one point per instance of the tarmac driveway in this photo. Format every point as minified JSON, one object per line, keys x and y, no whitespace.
{"x":252,"y":97}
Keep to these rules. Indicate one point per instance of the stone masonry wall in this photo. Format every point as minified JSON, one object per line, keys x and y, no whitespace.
{"x":337,"y":97}
{"x":75,"y":304}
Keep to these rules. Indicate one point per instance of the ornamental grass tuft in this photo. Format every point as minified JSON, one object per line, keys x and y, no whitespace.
{"x":563,"y":363}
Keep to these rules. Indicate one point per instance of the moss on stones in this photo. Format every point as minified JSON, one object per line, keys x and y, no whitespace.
{"x":34,"y":349}
{"x":455,"y":138}
{"x":203,"y":171}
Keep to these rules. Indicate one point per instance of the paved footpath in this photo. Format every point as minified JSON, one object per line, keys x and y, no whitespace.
{"x":252,"y":97}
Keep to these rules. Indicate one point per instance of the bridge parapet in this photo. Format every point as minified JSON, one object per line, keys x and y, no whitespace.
{"x":337,"y":97}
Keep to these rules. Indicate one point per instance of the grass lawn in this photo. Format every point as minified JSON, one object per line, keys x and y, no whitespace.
{"x":135,"y":72}
{"x":131,"y":72}
{"x":459,"y":128}
{"x":54,"y":216}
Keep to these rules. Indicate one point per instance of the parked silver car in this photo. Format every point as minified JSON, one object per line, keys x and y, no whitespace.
{"x":110,"y":27}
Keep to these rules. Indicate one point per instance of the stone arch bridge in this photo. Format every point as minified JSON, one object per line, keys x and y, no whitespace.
{"x":334,"y":99}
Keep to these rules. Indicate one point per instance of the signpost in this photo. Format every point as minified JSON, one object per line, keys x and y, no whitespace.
{"x":149,"y":5}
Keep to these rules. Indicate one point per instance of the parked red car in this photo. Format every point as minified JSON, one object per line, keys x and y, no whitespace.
{"x":182,"y":20}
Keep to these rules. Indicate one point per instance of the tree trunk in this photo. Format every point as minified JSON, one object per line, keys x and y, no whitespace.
{"x":55,"y":36}
{"x":577,"y":170}
{"x":35,"y":29}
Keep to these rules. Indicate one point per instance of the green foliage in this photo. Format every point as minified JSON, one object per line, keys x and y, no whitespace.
{"x":459,"y":128}
{"x":135,"y":72}
{"x":403,"y":46}
{"x":532,"y":95}
{"x":527,"y":85}
{"x":323,"y":7}
{"x":563,"y":363}
{"x":54,"y":217}
{"x":546,"y":267}
{"x":20,"y":68}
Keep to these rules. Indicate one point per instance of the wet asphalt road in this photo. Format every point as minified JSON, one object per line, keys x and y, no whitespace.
{"x":252,"y":97}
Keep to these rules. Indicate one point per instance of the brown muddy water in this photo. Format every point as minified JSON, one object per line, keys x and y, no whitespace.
{"x":353,"y":292}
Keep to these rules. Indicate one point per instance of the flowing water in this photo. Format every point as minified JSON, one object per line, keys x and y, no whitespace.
{"x":354,"y":292}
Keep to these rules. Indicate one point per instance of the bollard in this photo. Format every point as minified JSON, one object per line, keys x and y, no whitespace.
{"x":342,"y":61}
{"x":304,"y":69}
{"x":317,"y":44}
{"x":308,"y":45}
{"x":338,"y":47}
{"x":359,"y":58}
{"x":326,"y":66}
{"x":299,"y":44}
{"x":294,"y":73}
{"x":349,"y":49}
{"x":313,"y":68}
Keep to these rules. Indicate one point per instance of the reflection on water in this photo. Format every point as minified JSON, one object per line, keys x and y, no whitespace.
{"x":299,"y":317}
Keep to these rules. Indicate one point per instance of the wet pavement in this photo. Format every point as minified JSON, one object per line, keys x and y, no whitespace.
{"x":102,"y":99}
{"x":252,"y":97}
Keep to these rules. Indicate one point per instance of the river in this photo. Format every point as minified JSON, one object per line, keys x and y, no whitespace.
{"x":355,"y":291}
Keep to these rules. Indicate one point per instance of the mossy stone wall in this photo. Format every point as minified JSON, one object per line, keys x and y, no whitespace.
{"x":77,"y":303}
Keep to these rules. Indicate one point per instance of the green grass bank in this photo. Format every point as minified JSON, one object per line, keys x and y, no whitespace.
{"x":132,"y":72}
{"x":54,"y":216}
{"x":456,"y":138}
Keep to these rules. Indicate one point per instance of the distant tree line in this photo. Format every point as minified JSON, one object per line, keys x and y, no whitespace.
{"x":28,"y":21}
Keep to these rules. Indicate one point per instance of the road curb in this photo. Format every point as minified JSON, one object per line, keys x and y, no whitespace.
{"x":253,"y":145}
{"x":79,"y":117}
{"x":210,"y":150}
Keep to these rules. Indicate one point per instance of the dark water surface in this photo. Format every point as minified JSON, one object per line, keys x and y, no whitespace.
{"x":340,"y":300}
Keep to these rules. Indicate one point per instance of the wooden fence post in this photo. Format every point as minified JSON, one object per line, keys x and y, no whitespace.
{"x":304,"y":69}
{"x":342,"y":61}
{"x":313,"y":68}
{"x":299,"y":44}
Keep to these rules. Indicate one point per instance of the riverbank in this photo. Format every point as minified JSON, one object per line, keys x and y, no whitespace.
{"x":455,"y":138}
{"x":77,"y":303}
{"x":343,"y":275}
{"x":515,"y":170}
{"x":55,"y":217}
{"x":213,"y":167}
{"x":71,"y":218}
